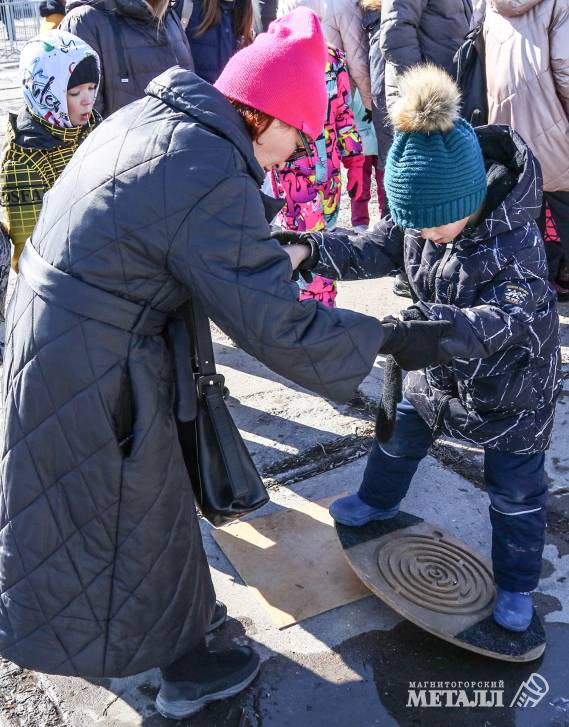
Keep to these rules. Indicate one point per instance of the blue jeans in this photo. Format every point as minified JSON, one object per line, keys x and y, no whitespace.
{"x":515,"y":483}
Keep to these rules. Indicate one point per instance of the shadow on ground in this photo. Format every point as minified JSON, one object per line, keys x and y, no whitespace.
{"x":365,"y":682}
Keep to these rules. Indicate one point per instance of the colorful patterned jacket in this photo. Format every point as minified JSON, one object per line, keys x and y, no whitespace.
{"x":34,"y":155}
{"x":311,"y":186}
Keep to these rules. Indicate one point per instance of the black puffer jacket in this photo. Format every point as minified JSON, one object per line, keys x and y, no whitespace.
{"x":102,"y":570}
{"x":500,"y":388}
{"x":133,"y":47}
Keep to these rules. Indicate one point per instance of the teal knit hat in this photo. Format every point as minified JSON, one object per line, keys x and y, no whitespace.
{"x":434,"y":174}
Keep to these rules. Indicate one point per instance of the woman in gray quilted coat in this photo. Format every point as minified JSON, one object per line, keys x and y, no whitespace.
{"x":102,"y":569}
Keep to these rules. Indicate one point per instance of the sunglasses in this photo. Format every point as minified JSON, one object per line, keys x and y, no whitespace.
{"x":303,"y":149}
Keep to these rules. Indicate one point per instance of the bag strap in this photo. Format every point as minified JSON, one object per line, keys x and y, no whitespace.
{"x":203,"y":345}
{"x":124,"y":75}
{"x":187,"y":10}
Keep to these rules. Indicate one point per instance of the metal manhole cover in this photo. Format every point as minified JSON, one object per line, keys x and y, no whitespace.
{"x":436,"y":581}
{"x":435,"y":574}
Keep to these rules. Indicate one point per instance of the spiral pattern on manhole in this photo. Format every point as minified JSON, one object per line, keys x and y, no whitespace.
{"x":435,"y":574}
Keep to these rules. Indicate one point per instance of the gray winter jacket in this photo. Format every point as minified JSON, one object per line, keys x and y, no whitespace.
{"x":415,"y":31}
{"x":499,"y":389}
{"x":102,"y":570}
{"x":132,"y":46}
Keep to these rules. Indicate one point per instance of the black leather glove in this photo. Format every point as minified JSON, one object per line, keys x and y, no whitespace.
{"x":287,"y":237}
{"x":415,"y":344}
{"x":367,"y":116}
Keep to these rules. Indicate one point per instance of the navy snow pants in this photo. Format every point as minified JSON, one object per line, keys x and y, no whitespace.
{"x":515,"y":484}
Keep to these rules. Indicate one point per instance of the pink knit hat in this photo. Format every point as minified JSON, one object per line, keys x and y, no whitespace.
{"x":282,"y":73}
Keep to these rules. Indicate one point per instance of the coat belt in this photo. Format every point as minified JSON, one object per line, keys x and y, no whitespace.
{"x":62,"y":289}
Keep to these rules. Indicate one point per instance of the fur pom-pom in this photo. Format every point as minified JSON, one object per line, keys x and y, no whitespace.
{"x":370,"y":4}
{"x":429,"y":101}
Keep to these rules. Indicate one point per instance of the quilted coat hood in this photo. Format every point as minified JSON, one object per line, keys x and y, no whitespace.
{"x":185,"y":91}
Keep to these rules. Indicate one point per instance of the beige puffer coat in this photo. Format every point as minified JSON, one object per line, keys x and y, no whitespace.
{"x":527,"y":70}
{"x":343,"y":28}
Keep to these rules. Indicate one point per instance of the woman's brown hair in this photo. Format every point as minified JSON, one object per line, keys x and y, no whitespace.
{"x":242,"y":19}
{"x":256,"y":121}
{"x":159,"y":8}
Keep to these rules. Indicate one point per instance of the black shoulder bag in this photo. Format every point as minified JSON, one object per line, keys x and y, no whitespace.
{"x":470,"y":75}
{"x":224,"y":478}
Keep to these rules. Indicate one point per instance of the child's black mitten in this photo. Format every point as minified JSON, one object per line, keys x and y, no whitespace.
{"x":415,"y":344}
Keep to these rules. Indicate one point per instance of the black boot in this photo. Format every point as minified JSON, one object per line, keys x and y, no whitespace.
{"x":401,"y":285}
{"x":204,"y":676}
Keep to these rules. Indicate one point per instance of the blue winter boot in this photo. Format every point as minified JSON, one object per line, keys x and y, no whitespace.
{"x":513,"y":609}
{"x":352,"y":510}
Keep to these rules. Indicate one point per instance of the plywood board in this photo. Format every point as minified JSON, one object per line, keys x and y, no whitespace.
{"x":293,"y":561}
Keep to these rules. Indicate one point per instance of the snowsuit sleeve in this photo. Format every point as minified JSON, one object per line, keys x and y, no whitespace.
{"x":295,"y":183}
{"x":373,"y":255}
{"x":222,"y":253}
{"x":505,"y":310}
{"x":349,"y":139}
{"x":559,"y":53}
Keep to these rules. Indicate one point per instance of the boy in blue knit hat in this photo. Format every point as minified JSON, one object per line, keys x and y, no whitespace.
{"x":463,"y":204}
